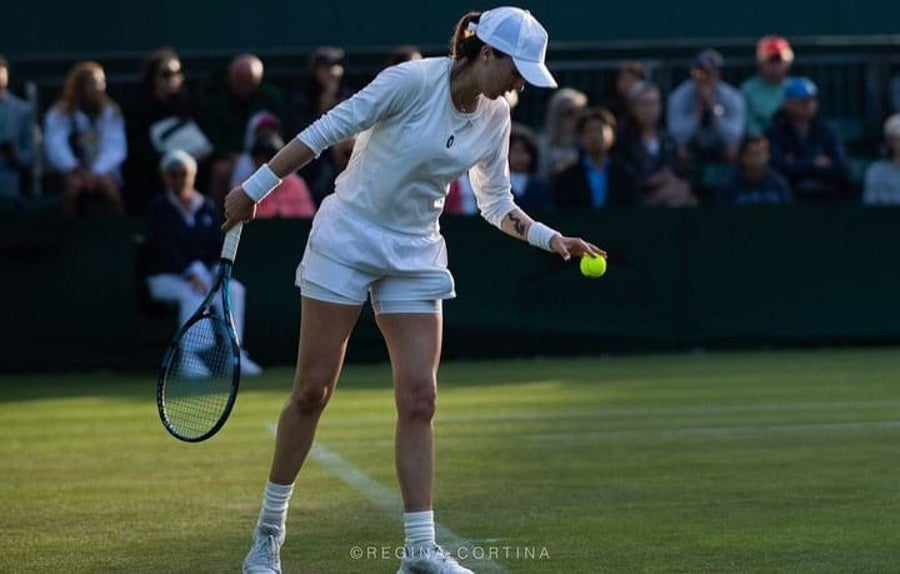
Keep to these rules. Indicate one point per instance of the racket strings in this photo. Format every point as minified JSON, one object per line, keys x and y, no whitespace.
{"x":199,"y":383}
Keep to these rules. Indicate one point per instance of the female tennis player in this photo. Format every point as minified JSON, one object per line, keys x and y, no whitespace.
{"x":421,"y":124}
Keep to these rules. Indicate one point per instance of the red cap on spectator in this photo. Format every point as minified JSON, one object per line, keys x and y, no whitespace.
{"x":774,"y":46}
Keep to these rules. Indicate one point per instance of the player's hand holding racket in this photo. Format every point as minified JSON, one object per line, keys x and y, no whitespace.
{"x":201,"y":369}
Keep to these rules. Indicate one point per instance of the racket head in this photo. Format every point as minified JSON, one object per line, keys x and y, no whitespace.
{"x":200,"y":374}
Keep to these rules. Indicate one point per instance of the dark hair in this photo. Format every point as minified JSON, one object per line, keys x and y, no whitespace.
{"x":602,"y":115}
{"x":748,"y":141}
{"x":402,"y":54}
{"x":152,"y":64}
{"x":636,"y":69}
{"x":4,"y":63}
{"x":465,"y":44}
{"x":520,"y":133}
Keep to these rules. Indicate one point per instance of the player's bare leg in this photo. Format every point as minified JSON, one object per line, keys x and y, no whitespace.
{"x":324,"y":331}
{"x":414,"y":344}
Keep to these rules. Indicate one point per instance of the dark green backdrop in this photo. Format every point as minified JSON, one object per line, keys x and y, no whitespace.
{"x":677,"y":280}
{"x":105,"y":27}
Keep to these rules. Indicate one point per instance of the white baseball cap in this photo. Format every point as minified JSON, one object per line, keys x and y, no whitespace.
{"x":517,"y":33}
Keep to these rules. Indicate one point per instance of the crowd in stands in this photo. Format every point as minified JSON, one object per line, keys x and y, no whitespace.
{"x":706,"y":142}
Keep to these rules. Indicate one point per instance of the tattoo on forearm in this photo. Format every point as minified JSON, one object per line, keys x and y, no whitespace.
{"x":518,"y":224}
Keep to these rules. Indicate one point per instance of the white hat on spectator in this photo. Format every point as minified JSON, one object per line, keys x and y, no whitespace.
{"x":892,"y":127}
{"x":177,"y":157}
{"x":517,"y":33}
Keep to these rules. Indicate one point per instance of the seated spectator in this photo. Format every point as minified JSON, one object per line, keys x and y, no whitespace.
{"x":558,"y":142}
{"x":333,"y":162}
{"x":764,"y":91}
{"x":895,"y":94}
{"x":651,"y":172}
{"x":84,"y":140}
{"x":627,"y":75}
{"x":261,"y":124}
{"x":16,"y":142}
{"x":461,"y":197}
{"x":323,"y":90}
{"x":754,"y":181}
{"x":291,"y":198}
{"x":806,"y":149}
{"x":882,"y":185}
{"x":402,"y":54}
{"x":227,"y":110}
{"x":184,"y":242}
{"x":531,"y":191}
{"x":162,"y":115}
{"x":592,"y":180}
{"x":705,"y":115}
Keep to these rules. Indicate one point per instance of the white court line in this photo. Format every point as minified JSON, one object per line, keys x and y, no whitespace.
{"x":389,"y":501}
{"x":711,"y":430}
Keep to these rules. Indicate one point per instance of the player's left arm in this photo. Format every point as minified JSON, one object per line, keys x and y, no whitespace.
{"x":518,"y":224}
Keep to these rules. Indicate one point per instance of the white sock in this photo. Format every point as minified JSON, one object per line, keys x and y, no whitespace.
{"x":419,"y":528}
{"x":275,"y":504}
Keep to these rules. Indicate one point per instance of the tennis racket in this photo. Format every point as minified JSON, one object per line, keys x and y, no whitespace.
{"x":201,"y":368}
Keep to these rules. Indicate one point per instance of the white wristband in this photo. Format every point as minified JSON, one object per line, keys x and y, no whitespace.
{"x":261,"y":183}
{"x":540,"y":235}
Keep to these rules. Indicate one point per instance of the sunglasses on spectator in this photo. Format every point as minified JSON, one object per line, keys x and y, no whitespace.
{"x":166,"y":74}
{"x":176,"y":173}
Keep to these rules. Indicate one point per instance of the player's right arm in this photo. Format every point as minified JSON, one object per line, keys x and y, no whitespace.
{"x":388,"y":94}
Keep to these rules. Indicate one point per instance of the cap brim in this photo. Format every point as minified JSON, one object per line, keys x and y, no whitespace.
{"x":535,"y":73}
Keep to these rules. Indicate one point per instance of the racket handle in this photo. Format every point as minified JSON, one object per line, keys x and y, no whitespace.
{"x":230,"y":245}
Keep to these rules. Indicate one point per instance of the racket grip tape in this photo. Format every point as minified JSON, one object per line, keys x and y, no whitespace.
{"x":230,"y":245}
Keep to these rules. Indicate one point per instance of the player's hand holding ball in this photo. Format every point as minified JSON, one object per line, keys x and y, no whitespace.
{"x":593,"y":266}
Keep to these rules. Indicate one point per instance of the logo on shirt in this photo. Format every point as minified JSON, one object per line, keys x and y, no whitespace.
{"x":450,"y":141}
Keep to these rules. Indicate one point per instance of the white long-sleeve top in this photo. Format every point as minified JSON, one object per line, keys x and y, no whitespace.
{"x":414,"y":142}
{"x":106,"y":135}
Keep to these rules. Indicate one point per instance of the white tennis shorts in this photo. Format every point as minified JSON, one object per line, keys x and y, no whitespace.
{"x":349,"y":258}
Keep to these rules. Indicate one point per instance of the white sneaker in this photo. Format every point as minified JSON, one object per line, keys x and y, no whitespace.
{"x":249,"y":368}
{"x":191,"y":366}
{"x":434,"y":560}
{"x":264,"y":557}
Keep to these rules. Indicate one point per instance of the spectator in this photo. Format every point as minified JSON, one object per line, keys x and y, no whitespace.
{"x":184,"y":242}
{"x":84,"y":140}
{"x":559,"y":143}
{"x":229,"y":107}
{"x":323,"y":91}
{"x":163,"y":115}
{"x":402,"y":54}
{"x":806,"y":149}
{"x":291,"y":198}
{"x":754,"y":181}
{"x":651,"y":172}
{"x":332,"y":162}
{"x":705,"y":115}
{"x":16,"y":143}
{"x":627,"y":75}
{"x":531,"y":191}
{"x":764,"y":91}
{"x":260,"y":124}
{"x":882,"y":184}
{"x":324,"y":88}
{"x":895,"y":94}
{"x":591,"y":181}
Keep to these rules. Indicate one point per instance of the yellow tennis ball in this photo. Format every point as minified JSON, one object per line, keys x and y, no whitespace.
{"x":593,"y":266}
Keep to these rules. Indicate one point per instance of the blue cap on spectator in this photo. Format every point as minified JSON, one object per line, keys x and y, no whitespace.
{"x":800,"y":89}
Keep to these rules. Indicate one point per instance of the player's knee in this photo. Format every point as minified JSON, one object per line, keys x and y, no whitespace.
{"x":310,"y":399}
{"x":417,"y":401}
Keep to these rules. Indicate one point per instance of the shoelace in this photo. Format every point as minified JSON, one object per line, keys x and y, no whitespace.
{"x":267,"y":547}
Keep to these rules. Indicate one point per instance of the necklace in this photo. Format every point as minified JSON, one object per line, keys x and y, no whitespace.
{"x":464,"y":107}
